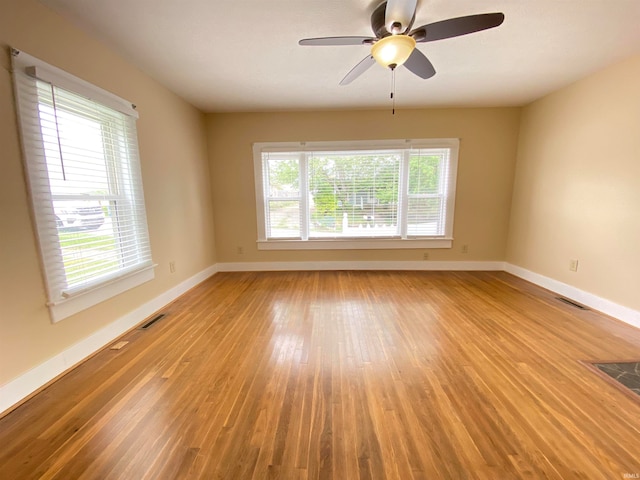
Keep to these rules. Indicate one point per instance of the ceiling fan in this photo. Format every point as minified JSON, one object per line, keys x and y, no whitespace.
{"x":394,"y":42}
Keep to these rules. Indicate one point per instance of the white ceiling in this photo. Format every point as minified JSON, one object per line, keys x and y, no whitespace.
{"x":243,"y":55}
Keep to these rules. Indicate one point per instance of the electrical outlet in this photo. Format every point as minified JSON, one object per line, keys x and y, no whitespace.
{"x":464,"y":248}
{"x":172,"y":266}
{"x":240,"y":250}
{"x":573,"y":265}
{"x":425,"y":256}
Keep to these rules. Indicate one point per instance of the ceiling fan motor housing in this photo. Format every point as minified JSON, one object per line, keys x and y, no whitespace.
{"x":377,"y":21}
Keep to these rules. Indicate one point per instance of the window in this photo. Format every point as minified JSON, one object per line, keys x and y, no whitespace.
{"x":81,"y":159}
{"x":328,"y":195}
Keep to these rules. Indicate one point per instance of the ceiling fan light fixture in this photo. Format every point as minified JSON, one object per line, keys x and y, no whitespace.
{"x":393,"y":50}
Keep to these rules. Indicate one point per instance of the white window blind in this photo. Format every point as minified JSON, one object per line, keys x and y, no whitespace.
{"x":333,"y":191}
{"x":84,"y":178}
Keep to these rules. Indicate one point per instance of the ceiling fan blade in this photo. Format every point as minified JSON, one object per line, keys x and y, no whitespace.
{"x":358,"y":70}
{"x":420,"y":65}
{"x":399,"y":15}
{"x":333,"y":41}
{"x":454,"y":27}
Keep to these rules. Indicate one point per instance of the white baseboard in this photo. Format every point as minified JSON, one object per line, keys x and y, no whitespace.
{"x":359,"y":265}
{"x":626,"y":314}
{"x":18,"y":389}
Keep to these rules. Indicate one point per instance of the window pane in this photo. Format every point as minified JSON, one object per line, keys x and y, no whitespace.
{"x":82,"y":167}
{"x":87,"y":242}
{"x":78,"y":214}
{"x":283,"y":219}
{"x":424,"y":216}
{"x":283,"y":177}
{"x":424,"y":174}
{"x":354,"y":195}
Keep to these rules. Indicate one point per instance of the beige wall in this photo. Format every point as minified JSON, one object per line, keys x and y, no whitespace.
{"x":175,"y":175}
{"x":488,"y":139}
{"x":577,"y":186}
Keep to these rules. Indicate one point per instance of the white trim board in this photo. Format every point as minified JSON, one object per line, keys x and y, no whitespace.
{"x":625,"y":314}
{"x":359,"y":265}
{"x":12,"y":393}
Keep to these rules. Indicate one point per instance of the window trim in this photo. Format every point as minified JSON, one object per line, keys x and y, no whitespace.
{"x":346,"y":243}
{"x":75,"y":299}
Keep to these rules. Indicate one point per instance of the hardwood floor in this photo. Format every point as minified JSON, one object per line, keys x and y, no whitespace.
{"x":344,"y":375}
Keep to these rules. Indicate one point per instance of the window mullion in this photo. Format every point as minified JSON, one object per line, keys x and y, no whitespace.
{"x":403,"y":193}
{"x":442,"y":191}
{"x":304,"y":195}
{"x":266,"y":190}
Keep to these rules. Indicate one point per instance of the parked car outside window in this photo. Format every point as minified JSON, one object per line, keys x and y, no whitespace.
{"x":78,"y":215}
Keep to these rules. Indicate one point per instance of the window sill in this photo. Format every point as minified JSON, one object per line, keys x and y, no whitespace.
{"x":75,"y":304}
{"x":355,"y":244}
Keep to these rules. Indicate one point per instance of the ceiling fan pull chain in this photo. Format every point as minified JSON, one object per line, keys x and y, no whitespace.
{"x":393,"y":91}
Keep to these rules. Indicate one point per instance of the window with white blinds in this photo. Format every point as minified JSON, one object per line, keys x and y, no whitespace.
{"x":390,"y":194}
{"x":81,"y":158}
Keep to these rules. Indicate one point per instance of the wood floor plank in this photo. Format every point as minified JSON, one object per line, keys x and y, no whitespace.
{"x":342,"y":375}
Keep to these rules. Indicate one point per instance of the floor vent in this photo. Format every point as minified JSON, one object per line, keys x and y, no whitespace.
{"x":572,"y":303}
{"x":152,"y":321}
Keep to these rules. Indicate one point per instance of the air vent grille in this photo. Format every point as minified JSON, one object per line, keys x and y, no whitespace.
{"x":152,"y":321}
{"x":572,"y":303}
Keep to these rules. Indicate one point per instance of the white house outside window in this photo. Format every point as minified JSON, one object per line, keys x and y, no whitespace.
{"x":81,"y":158}
{"x":327,"y":195}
